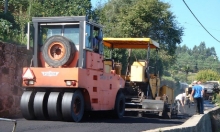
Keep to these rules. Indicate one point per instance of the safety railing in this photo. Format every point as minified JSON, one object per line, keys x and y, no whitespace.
{"x":10,"y":120}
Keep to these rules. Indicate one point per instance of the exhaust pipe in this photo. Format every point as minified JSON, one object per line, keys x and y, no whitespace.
{"x":28,"y":36}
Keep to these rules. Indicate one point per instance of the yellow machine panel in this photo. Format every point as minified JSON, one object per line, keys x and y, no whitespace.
{"x":118,"y":68}
{"x":169,"y":92}
{"x":154,"y":84}
{"x":130,"y":43}
{"x":107,"y":66}
{"x":137,"y":71}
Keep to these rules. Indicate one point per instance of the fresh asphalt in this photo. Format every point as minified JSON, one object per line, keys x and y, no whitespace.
{"x":99,"y":123}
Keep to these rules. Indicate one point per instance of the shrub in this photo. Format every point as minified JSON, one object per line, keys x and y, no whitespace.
{"x":218,"y":99}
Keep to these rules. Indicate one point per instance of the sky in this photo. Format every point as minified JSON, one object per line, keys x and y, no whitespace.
{"x":206,"y":11}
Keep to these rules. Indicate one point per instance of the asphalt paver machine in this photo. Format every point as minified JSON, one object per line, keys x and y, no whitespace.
{"x":143,"y":92}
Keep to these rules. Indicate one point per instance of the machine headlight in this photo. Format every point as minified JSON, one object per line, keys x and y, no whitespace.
{"x":68,"y":83}
{"x":31,"y":82}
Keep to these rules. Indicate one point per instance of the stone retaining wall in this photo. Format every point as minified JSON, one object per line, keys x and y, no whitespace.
{"x":12,"y":59}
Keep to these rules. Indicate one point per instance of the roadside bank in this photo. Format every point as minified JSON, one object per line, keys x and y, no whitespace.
{"x":207,"y":122}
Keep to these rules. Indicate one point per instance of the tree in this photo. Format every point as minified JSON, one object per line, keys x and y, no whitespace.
{"x":45,"y":8}
{"x":142,"y":18}
{"x":196,"y":67}
{"x":20,"y":12}
{"x":6,"y":6}
{"x":186,"y":69}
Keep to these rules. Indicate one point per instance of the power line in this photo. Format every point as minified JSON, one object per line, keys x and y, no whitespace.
{"x":200,"y":22}
{"x":200,"y":26}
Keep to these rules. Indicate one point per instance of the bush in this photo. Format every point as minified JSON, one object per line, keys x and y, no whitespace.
{"x":206,"y":75}
{"x":216,"y":98}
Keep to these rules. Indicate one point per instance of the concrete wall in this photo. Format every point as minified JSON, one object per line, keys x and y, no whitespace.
{"x":215,"y":119}
{"x":208,"y":122}
{"x":12,"y":59}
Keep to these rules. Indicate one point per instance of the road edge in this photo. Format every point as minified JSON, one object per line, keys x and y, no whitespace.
{"x":197,"y":123}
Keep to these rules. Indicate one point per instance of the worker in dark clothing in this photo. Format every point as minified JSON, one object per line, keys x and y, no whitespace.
{"x":95,"y":44}
{"x":202,"y":105}
{"x":197,"y":92}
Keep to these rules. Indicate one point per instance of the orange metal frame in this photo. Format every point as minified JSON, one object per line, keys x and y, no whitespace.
{"x":101,"y":87}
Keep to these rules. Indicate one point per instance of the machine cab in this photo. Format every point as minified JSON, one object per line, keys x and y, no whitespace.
{"x":65,"y":41}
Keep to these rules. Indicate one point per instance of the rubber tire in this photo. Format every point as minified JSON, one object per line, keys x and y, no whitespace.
{"x":67,"y":106}
{"x":54,"y":106}
{"x":68,"y":56}
{"x":40,"y":105}
{"x":119,"y":109}
{"x":26,"y":105}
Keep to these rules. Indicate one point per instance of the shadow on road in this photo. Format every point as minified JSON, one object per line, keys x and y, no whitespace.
{"x":105,"y":118}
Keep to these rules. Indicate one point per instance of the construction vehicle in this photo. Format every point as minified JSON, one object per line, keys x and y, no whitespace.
{"x":69,"y":76}
{"x":143,"y":92}
{"x":210,"y":88}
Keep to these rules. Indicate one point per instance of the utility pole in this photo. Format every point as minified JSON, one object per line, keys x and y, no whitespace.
{"x":6,"y":6}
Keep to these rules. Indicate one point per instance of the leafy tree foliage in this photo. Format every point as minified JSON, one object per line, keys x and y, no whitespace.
{"x":142,"y":18}
{"x":207,"y":75}
{"x":199,"y":58}
{"x":193,"y":60}
{"x":46,"y":8}
{"x":5,"y":27}
{"x":21,"y":11}
{"x":121,"y":18}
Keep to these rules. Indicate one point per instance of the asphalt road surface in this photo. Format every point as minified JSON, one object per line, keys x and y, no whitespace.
{"x":100,"y":123}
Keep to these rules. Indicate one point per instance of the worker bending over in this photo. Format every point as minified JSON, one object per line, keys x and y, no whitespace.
{"x":179,"y":100}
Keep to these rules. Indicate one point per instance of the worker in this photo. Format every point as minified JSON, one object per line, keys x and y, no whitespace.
{"x":191,"y":97}
{"x":165,"y":98}
{"x":179,"y":100}
{"x":96,"y":44}
{"x":197,"y":92}
{"x":202,"y":97}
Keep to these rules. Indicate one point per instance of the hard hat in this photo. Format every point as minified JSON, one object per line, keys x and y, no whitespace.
{"x":194,"y":82}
